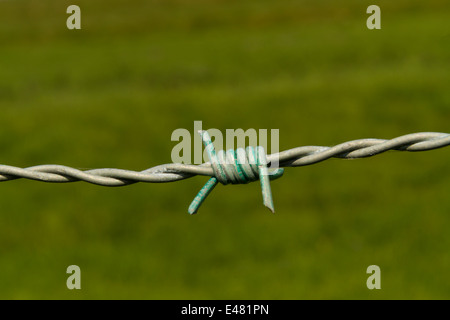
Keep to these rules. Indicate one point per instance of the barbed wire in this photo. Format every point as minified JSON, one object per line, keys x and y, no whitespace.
{"x":295,"y":157}
{"x":300,"y":156}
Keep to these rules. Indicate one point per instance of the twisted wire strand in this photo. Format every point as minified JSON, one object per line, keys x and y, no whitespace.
{"x":300,"y":156}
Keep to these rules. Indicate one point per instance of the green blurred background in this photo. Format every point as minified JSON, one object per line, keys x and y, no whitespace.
{"x":111,"y":94}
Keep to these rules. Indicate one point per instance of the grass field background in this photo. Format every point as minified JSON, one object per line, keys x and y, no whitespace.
{"x":111,"y":94}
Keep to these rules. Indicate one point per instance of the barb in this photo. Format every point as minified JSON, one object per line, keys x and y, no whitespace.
{"x":300,"y":156}
{"x":240,"y":166}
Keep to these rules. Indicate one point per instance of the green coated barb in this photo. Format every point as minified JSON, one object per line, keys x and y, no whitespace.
{"x":202,"y":194}
{"x":240,"y":166}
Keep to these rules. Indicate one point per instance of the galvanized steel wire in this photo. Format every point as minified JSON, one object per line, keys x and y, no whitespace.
{"x":300,"y":156}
